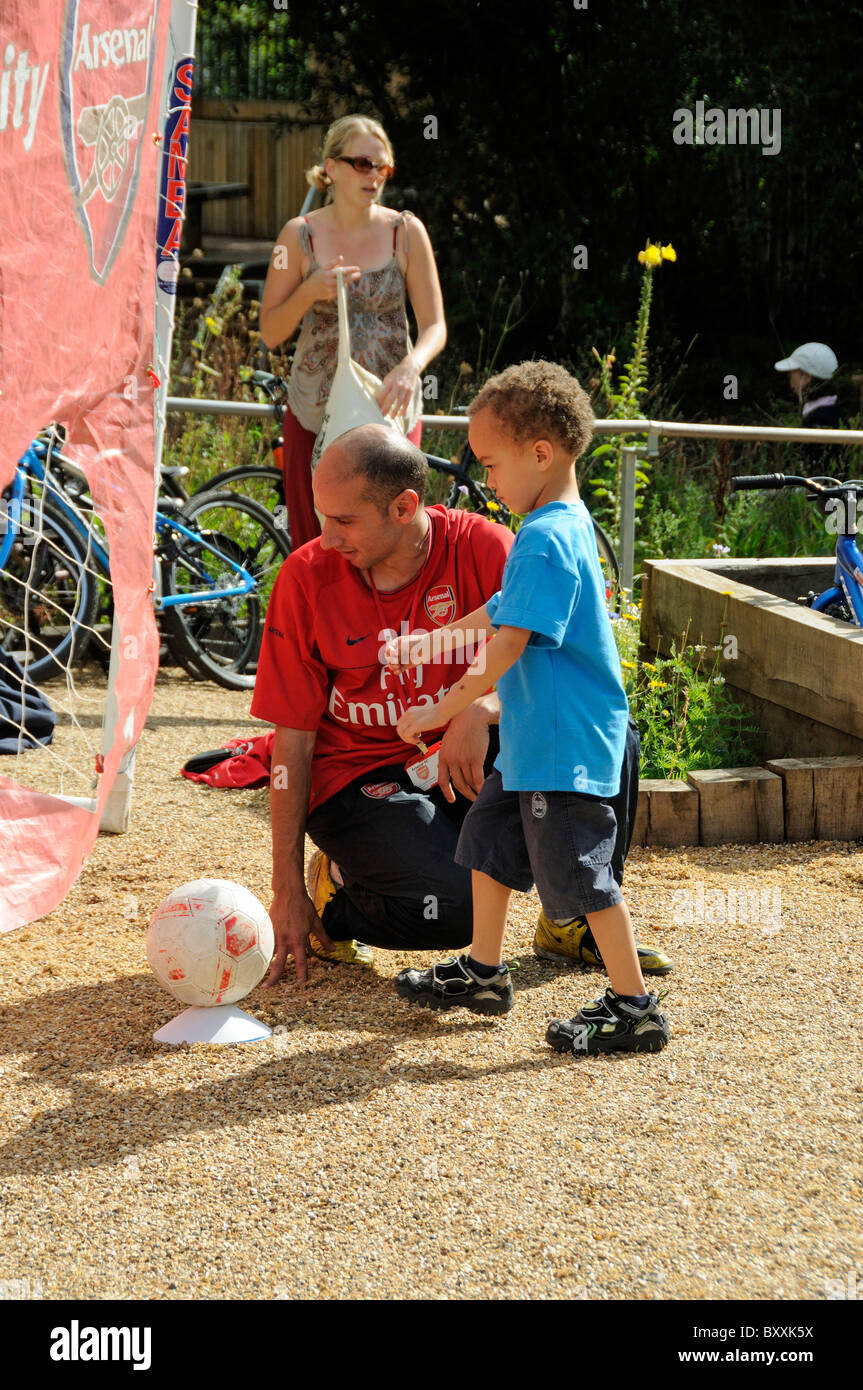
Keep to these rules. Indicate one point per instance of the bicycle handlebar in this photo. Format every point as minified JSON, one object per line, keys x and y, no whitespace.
{"x":452,"y":470}
{"x":765,"y":480}
{"x":818,"y":488}
{"x":275,"y":386}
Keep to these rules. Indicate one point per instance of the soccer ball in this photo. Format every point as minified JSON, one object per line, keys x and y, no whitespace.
{"x":210,"y":942}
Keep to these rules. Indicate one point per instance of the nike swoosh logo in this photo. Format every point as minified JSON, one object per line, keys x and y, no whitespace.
{"x":352,"y":641}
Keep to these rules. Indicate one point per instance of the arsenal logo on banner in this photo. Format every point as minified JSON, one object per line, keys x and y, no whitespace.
{"x":440,"y":604}
{"x":106,"y":76}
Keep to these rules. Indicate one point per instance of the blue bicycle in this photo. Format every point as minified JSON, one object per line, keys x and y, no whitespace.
{"x":218,"y":555}
{"x":844,"y":599}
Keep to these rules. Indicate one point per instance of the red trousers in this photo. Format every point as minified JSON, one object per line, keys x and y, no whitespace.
{"x":296,"y":466}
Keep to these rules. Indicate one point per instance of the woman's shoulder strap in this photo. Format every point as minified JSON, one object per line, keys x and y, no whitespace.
{"x":398,"y":223}
{"x":307,"y":244}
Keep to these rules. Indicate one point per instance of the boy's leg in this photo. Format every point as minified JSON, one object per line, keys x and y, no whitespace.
{"x":492,"y":845}
{"x":478,"y":981}
{"x":612,"y":930}
{"x":570,"y":840}
{"x":490,"y":902}
{"x":572,"y":940}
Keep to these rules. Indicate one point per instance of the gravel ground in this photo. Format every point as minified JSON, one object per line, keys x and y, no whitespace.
{"x":370,"y":1150}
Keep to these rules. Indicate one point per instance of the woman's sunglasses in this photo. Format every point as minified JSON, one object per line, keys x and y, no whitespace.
{"x":365,"y":166}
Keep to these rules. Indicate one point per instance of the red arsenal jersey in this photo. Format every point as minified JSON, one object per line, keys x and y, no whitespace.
{"x":321,"y":657}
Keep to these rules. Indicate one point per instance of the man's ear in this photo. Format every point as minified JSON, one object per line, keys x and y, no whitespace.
{"x":404,"y":508}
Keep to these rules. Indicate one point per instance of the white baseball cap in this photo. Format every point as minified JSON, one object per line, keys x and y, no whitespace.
{"x":815,"y":358}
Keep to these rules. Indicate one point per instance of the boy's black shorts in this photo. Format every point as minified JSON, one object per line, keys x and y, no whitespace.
{"x":562,"y":841}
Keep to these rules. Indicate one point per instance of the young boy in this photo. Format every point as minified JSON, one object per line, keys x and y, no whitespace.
{"x":543,"y":815}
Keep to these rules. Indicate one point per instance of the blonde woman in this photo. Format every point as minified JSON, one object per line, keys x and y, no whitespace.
{"x":388,"y":257}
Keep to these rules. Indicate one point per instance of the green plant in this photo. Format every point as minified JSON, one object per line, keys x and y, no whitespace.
{"x":686,"y":715}
{"x":215,"y":347}
{"x":624,"y":401}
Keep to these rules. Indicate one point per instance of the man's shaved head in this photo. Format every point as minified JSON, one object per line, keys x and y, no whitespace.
{"x":387,"y":461}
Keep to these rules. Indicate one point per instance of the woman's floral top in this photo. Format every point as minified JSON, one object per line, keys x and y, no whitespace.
{"x":379,"y":335}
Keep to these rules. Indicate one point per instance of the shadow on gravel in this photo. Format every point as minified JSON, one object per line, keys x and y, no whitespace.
{"x":71,"y":1034}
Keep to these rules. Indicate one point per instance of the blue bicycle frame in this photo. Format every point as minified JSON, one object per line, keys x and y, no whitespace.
{"x":847,"y":580}
{"x":32,"y":464}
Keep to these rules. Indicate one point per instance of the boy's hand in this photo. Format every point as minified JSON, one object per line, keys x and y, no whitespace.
{"x":410,"y":650}
{"x":414,"y":722}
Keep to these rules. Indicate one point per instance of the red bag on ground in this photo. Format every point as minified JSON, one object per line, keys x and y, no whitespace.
{"x":241,"y":762}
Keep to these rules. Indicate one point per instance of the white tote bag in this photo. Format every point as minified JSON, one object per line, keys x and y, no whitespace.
{"x":354,"y":392}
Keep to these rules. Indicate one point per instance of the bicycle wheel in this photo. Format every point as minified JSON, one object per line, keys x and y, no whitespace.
{"x":261,"y":482}
{"x":48,"y":595}
{"x":610,"y":568}
{"x":220,"y":635}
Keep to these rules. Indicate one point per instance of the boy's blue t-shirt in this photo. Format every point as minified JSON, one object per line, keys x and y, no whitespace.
{"x":563,"y":707}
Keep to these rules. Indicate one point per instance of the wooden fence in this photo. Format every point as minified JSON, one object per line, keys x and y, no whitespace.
{"x":267,"y":144}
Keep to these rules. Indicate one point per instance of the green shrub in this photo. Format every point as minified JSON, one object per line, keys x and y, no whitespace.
{"x":686,"y":715}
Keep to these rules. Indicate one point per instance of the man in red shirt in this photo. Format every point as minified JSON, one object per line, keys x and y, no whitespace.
{"x":384,"y":564}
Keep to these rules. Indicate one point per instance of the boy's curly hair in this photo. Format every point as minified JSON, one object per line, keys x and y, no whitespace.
{"x":539,"y":400}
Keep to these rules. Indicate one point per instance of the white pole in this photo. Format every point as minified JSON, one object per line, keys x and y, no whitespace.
{"x":175,"y":103}
{"x":627,"y":518}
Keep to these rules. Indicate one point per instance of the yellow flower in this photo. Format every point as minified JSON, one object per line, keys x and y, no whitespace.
{"x":668,"y":252}
{"x":652,"y":255}
{"x":649,"y":666}
{"x":628,"y":665}
{"x":493,"y":506}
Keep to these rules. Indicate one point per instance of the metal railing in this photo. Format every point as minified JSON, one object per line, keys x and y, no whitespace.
{"x":653,"y":429}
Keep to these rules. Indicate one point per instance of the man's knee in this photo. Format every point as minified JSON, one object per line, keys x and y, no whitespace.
{"x":447,"y":916}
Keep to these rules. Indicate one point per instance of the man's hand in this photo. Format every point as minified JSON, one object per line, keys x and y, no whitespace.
{"x":463,"y":753}
{"x":292,"y":921}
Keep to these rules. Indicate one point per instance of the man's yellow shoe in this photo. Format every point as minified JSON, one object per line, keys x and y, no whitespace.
{"x":322,"y":888}
{"x":575,"y":942}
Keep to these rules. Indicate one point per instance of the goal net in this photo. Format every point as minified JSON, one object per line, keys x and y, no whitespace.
{"x":94,"y":117}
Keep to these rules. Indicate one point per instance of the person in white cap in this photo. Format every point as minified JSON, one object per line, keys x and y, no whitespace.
{"x":810,"y":370}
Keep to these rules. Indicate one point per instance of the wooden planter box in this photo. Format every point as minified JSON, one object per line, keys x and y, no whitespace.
{"x":799,"y":673}
{"x":792,"y":799}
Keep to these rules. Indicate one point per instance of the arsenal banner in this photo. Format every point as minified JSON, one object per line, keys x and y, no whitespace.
{"x":94,"y":116}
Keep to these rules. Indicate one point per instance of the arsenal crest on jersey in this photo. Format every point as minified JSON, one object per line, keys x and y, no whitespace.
{"x":106,"y":76}
{"x":440,"y":604}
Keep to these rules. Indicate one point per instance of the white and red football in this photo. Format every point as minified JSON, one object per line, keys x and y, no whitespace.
{"x":210,"y":942}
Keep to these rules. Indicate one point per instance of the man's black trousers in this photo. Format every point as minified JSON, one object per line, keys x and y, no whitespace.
{"x":403,"y":890}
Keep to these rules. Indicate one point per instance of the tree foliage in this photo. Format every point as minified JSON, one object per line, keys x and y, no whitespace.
{"x":554,"y":129}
